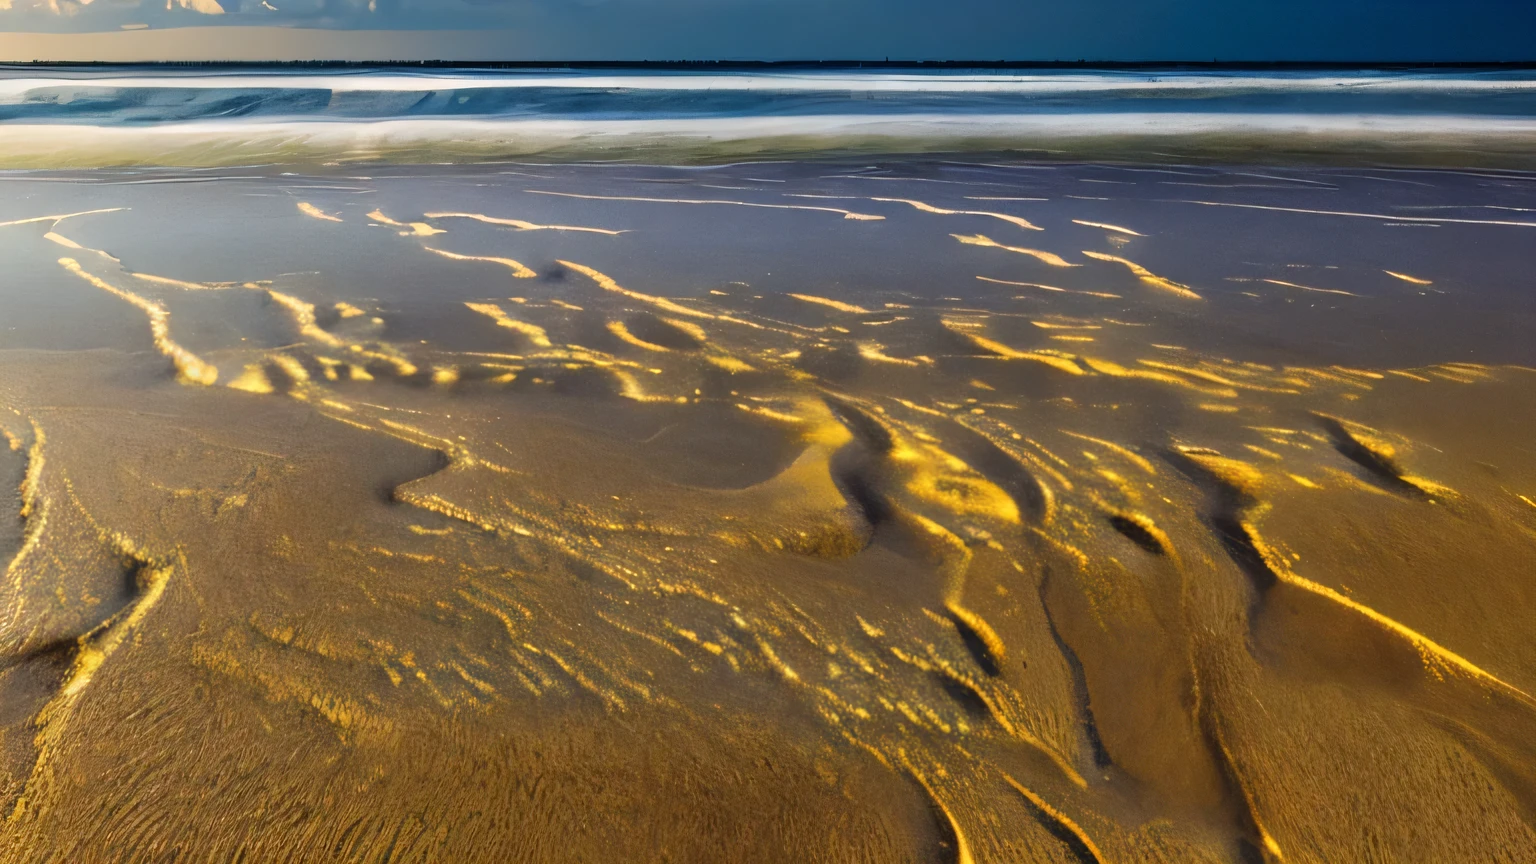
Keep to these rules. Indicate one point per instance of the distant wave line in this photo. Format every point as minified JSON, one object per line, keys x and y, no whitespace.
{"x":1169,"y":124}
{"x":1025,"y":84}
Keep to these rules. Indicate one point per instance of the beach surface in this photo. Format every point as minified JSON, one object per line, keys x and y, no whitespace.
{"x":967,"y":508}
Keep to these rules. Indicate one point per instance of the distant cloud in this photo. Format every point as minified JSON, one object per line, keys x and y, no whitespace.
{"x":1350,"y":30}
{"x":87,"y":12}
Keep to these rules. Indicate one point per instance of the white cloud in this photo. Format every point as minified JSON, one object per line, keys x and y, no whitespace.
{"x":112,"y":8}
{"x":207,"y":7}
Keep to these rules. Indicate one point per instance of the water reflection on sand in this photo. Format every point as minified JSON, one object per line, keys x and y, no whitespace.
{"x":792,"y":511}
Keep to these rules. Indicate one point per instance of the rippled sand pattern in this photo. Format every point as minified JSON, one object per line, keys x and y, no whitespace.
{"x":542,"y":513}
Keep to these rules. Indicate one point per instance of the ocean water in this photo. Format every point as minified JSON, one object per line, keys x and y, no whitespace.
{"x":147,"y":116}
{"x":547,"y":467}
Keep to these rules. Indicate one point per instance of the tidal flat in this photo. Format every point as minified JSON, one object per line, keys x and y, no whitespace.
{"x":879,"y":509}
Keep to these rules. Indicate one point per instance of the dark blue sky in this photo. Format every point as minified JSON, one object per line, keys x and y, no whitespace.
{"x":1384,"y":30}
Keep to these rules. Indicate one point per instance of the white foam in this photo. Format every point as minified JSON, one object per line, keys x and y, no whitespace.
{"x":227,"y":142}
{"x":1039,"y":84}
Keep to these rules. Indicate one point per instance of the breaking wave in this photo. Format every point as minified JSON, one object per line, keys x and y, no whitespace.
{"x":65,"y":119}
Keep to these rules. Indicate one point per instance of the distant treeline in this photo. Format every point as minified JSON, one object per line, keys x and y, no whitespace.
{"x":779,"y":65}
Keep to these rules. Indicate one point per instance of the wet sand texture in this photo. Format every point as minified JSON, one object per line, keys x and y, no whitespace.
{"x":794,"y":512}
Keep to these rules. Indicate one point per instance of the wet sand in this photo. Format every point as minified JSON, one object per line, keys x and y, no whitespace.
{"x":800,"y":511}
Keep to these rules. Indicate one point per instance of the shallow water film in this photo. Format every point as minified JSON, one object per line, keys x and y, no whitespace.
{"x":876,"y":510}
